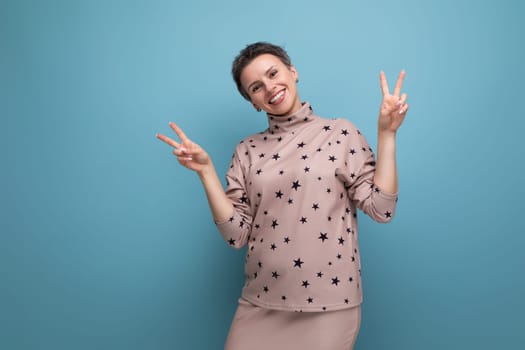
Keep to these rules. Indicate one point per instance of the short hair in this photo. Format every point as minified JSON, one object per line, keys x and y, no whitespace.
{"x":248,"y":54}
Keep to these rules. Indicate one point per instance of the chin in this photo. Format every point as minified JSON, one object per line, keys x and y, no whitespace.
{"x":284,"y":109}
{"x":280,"y":110}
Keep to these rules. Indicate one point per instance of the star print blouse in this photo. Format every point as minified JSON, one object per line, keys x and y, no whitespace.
{"x":296,"y":188}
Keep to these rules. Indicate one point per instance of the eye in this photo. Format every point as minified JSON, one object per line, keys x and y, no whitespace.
{"x":255,"y":88}
{"x":273,"y":73}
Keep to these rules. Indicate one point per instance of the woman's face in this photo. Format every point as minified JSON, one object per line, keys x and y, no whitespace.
{"x":271,"y":85}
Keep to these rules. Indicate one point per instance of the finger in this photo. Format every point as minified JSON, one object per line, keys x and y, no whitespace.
{"x":399,"y":84}
{"x":402,"y":100}
{"x":167,"y":140}
{"x":384,"y":83}
{"x":179,"y":132}
{"x":185,"y":153}
{"x":184,"y":159}
{"x":182,"y":154}
{"x":403,"y":109}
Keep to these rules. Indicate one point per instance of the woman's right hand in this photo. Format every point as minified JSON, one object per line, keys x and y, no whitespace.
{"x":189,"y":154}
{"x":193,"y":157}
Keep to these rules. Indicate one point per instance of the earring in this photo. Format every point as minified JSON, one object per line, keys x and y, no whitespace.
{"x":258,"y":109}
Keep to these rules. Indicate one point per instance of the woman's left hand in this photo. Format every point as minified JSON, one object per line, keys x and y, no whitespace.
{"x":393,"y":107}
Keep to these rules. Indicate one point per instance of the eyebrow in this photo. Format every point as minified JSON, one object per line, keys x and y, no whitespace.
{"x":265,"y":73}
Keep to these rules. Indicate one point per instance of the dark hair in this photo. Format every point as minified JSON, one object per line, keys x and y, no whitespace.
{"x":249,"y":53}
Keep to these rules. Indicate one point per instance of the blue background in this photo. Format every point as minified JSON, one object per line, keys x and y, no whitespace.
{"x":107,"y":243}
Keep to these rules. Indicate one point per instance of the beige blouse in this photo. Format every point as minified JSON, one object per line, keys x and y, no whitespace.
{"x":295,"y":188}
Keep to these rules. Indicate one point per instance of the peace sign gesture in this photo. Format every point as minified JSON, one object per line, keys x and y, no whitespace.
{"x":189,"y":154}
{"x":393,"y":107}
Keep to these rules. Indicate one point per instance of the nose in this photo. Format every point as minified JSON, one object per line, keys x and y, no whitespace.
{"x":268,"y":86}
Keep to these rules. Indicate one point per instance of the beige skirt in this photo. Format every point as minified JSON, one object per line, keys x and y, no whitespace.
{"x":255,"y":328}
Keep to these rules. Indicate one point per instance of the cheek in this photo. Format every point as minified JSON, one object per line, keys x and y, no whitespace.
{"x":257,"y":98}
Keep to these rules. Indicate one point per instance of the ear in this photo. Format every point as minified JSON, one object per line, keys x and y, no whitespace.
{"x":294,"y":72}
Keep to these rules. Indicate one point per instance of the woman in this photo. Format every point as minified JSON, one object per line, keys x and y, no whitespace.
{"x":292,"y":195}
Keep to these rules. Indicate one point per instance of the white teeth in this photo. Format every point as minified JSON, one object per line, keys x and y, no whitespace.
{"x":276,"y":97}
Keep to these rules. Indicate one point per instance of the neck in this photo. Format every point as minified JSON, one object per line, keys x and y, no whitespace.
{"x":292,"y":121}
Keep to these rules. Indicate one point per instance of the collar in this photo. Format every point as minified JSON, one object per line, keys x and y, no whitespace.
{"x":280,"y":124}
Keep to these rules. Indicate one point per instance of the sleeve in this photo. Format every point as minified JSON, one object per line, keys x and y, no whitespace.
{"x":236,"y":229}
{"x":358,"y":178}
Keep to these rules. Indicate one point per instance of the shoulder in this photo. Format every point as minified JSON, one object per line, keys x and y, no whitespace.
{"x":344,"y":123}
{"x":349,"y":134}
{"x":251,"y":140}
{"x":339,"y":125}
{"x":246,"y":145}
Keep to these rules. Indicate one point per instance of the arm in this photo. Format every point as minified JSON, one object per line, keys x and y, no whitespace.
{"x":358,"y":177}
{"x":386,"y":169}
{"x":193,"y":157}
{"x":391,"y":115}
{"x":220,"y":205}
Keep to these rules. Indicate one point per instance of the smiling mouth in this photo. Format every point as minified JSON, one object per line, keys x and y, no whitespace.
{"x":277,"y":98}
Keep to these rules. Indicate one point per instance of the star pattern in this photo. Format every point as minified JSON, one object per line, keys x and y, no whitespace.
{"x":243,"y":198}
{"x":298,"y":263}
{"x":293,"y":188}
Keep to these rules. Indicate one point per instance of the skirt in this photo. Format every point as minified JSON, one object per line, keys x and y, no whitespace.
{"x":255,"y":328}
